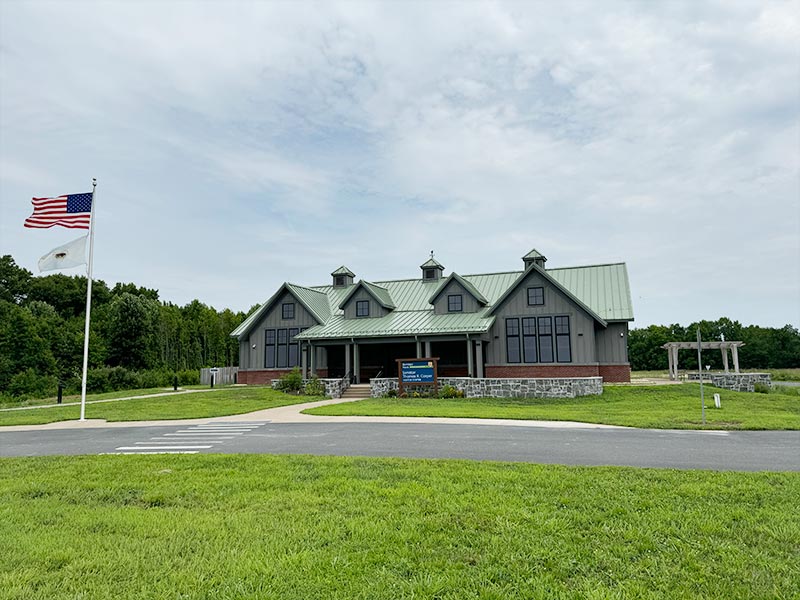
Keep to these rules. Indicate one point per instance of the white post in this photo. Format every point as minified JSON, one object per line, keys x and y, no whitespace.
{"x":479,"y":357}
{"x":427,"y":349}
{"x":88,"y":302}
{"x":356,"y":363}
{"x":470,"y":368}
{"x":725,"y":358}
{"x":735,"y":352}
{"x":669,"y":361}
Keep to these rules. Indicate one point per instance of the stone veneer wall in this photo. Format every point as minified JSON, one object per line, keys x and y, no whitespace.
{"x":553,"y":387}
{"x":334,"y":388}
{"x":738,"y":382}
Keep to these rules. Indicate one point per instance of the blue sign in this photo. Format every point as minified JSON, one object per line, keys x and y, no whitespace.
{"x":418,"y":371}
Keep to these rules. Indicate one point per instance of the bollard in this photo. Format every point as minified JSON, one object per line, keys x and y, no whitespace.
{"x":212,"y":379}
{"x":175,"y":384}
{"x":60,"y":391}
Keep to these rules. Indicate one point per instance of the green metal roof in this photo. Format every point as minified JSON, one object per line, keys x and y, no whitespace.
{"x":464,"y":283}
{"x":431,"y":262}
{"x":602,"y":289}
{"x":399,"y":323}
{"x":380,"y":294}
{"x":343,"y":271}
{"x":534,"y":254}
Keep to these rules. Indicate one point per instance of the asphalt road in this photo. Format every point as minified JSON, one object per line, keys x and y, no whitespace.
{"x":717,"y":450}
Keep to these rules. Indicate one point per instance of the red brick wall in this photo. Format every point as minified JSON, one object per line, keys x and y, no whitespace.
{"x":542,"y":371}
{"x":609,"y":373}
{"x":265,"y":376}
{"x":615,"y":373}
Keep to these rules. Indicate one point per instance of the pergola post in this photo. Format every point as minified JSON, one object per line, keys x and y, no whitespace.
{"x":669,"y":360}
{"x":675,"y":361}
{"x":724,"y":351}
{"x":735,"y":351}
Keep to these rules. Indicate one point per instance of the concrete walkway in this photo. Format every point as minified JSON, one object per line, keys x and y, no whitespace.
{"x":292,"y":414}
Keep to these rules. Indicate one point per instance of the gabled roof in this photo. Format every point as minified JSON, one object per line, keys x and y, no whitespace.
{"x":400,"y":323}
{"x":556,"y":284}
{"x":471,"y":289}
{"x":381,"y":295}
{"x":534,"y":254}
{"x":314,"y":301}
{"x":431,"y":263}
{"x":343,"y":271}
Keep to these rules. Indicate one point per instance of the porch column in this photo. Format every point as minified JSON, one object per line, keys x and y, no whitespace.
{"x":312,"y":359}
{"x":347,"y":360}
{"x":419,"y":349}
{"x":724,"y":358}
{"x":470,"y":364}
{"x":356,"y":364}
{"x":735,"y":351}
{"x":669,"y":360}
{"x":479,"y":357}
{"x":427,"y":349}
{"x":304,"y":360}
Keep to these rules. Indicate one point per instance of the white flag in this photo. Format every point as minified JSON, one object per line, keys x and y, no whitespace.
{"x":69,"y":255}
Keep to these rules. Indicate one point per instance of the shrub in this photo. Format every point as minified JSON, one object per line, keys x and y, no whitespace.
{"x":762,"y":388}
{"x":29,"y":384}
{"x":391,"y":394}
{"x":314,"y":387}
{"x":189,"y":377}
{"x":291,"y":382}
{"x":449,"y":391}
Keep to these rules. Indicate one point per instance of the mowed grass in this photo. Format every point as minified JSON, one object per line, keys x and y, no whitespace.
{"x":89,"y":397}
{"x":657,"y":407}
{"x":225,"y":401}
{"x":271,"y":527}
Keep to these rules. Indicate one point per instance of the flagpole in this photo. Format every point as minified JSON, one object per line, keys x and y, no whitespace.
{"x":88,"y":303}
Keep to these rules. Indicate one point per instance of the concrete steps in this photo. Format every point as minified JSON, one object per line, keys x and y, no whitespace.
{"x":357,"y":391}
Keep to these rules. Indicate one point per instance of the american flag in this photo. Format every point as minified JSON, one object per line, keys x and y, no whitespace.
{"x":73,"y":211}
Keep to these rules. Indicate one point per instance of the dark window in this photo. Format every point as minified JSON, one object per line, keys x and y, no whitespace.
{"x":535,"y":296}
{"x":269,"y":350}
{"x":294,"y":349}
{"x":288,"y":310}
{"x":338,"y":280}
{"x":454,"y":303}
{"x":430,"y":274}
{"x":283,"y":349}
{"x":362,"y":308}
{"x":512,"y":340}
{"x":545,"y":326}
{"x":563,"y":350}
{"x":529,"y":354}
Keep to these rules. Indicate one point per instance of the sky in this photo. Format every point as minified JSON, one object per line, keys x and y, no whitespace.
{"x":238,"y":145}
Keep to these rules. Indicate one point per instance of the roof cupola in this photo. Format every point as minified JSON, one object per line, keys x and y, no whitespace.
{"x":534,"y":257}
{"x":431,"y":269}
{"x":342,"y":277}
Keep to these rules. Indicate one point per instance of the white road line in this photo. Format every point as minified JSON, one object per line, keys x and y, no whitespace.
{"x":193,"y":434}
{"x":233,"y":425}
{"x":218,"y":430}
{"x":156,"y":452}
{"x":180,"y":441}
{"x":162,"y":447}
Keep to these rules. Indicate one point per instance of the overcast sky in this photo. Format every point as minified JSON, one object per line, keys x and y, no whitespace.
{"x":240,"y":145}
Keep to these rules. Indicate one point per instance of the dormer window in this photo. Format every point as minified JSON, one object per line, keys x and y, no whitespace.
{"x":362,"y":308}
{"x":455,"y":303}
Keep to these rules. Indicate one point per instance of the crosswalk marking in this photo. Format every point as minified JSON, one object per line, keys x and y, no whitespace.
{"x":190,"y":441}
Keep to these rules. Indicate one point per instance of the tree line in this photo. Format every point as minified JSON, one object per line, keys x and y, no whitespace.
{"x":135,"y":339}
{"x":765,"y":347}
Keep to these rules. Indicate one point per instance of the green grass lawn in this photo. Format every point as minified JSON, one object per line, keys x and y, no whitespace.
{"x":225,"y":401}
{"x":660,"y":407}
{"x":89,"y":397}
{"x":302,"y":528}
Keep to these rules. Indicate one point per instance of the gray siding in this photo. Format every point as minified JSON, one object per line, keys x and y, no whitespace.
{"x":375,"y":309}
{"x":469,"y":304}
{"x":555,"y":304}
{"x":273,"y":320}
{"x":611,"y":346}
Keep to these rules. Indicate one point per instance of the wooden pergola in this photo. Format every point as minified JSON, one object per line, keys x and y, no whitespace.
{"x":673,"y":347}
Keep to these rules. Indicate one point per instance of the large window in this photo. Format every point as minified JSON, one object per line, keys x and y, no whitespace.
{"x":512,"y":340}
{"x":563,"y":350}
{"x":287,"y":310}
{"x":362,"y":308}
{"x":545,"y":327}
{"x":281,"y":349}
{"x":536,"y":341}
{"x":535,"y":296}
{"x":529,"y":353}
{"x":455,"y":303}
